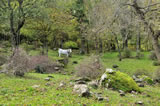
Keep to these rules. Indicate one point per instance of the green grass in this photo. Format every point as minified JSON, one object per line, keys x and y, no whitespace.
{"x":19,"y":91}
{"x":128,"y":66}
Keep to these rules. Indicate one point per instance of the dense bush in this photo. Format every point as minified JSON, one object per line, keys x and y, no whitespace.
{"x":42,"y":64}
{"x":156,"y":63}
{"x":126,"y":53}
{"x":140,"y":72}
{"x":70,"y":44}
{"x":121,"y":81}
{"x":90,"y":67}
{"x":153,"y":56}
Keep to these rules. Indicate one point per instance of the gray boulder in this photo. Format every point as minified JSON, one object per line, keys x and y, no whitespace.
{"x":82,"y":90}
{"x":110,"y":71}
{"x":83,"y":79}
{"x":93,"y":84}
{"x":62,"y":84}
{"x":103,"y":77}
{"x":35,"y":86}
{"x":47,"y":79}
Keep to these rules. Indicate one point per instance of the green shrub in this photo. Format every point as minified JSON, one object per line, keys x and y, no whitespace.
{"x":70,"y":44}
{"x":140,"y":72}
{"x":121,"y":81}
{"x":126,"y":53}
{"x":156,"y":63}
{"x":153,"y":56}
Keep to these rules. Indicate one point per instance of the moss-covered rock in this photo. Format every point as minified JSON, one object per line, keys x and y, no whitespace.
{"x":121,"y":81}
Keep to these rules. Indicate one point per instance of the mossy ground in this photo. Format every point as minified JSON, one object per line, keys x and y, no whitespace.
{"x":14,"y":91}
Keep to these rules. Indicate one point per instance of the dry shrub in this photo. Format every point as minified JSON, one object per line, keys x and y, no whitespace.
{"x":153,"y":56}
{"x":3,"y":59}
{"x":90,"y":67}
{"x":42,"y":64}
{"x":156,"y":75}
{"x":156,"y":63}
{"x":19,"y":63}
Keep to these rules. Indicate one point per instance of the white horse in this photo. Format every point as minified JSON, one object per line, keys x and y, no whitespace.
{"x":64,"y":51}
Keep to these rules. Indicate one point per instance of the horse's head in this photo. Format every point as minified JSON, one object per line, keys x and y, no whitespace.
{"x":70,"y":50}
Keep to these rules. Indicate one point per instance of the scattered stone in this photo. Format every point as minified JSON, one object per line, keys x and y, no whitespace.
{"x":134,"y":77}
{"x":107,"y":99}
{"x":83,"y":79}
{"x":139,"y":80}
{"x":98,"y":95}
{"x":56,"y":68}
{"x":82,"y":90}
{"x":110,"y":71}
{"x":81,"y":82}
{"x":64,"y":73}
{"x":47,"y":79}
{"x":50,"y":76}
{"x":133,"y":95}
{"x":100,"y":98}
{"x":71,"y":83}
{"x":133,"y":92}
{"x":121,"y":93}
{"x":35,"y":86}
{"x":93,"y":84}
{"x":148,"y":95}
{"x":47,"y":84}
{"x":115,"y":66}
{"x":141,"y":85}
{"x":139,"y":103}
{"x":62,"y":84}
{"x":103,"y":77}
{"x":75,"y":62}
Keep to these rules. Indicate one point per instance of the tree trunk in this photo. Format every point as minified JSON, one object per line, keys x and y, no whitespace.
{"x":125,"y":41}
{"x":83,"y":41}
{"x":100,"y":45}
{"x":15,"y":32}
{"x":156,"y":46}
{"x":88,"y":51}
{"x":138,"y":42}
{"x":119,"y":51}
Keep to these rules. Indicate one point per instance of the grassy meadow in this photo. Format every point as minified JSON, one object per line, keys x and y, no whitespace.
{"x":19,"y":91}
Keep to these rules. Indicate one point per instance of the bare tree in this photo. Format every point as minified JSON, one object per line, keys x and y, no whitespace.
{"x":142,"y":13}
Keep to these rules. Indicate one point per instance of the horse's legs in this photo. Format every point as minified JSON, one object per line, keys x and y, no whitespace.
{"x":67,"y":54}
{"x":59,"y":54}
